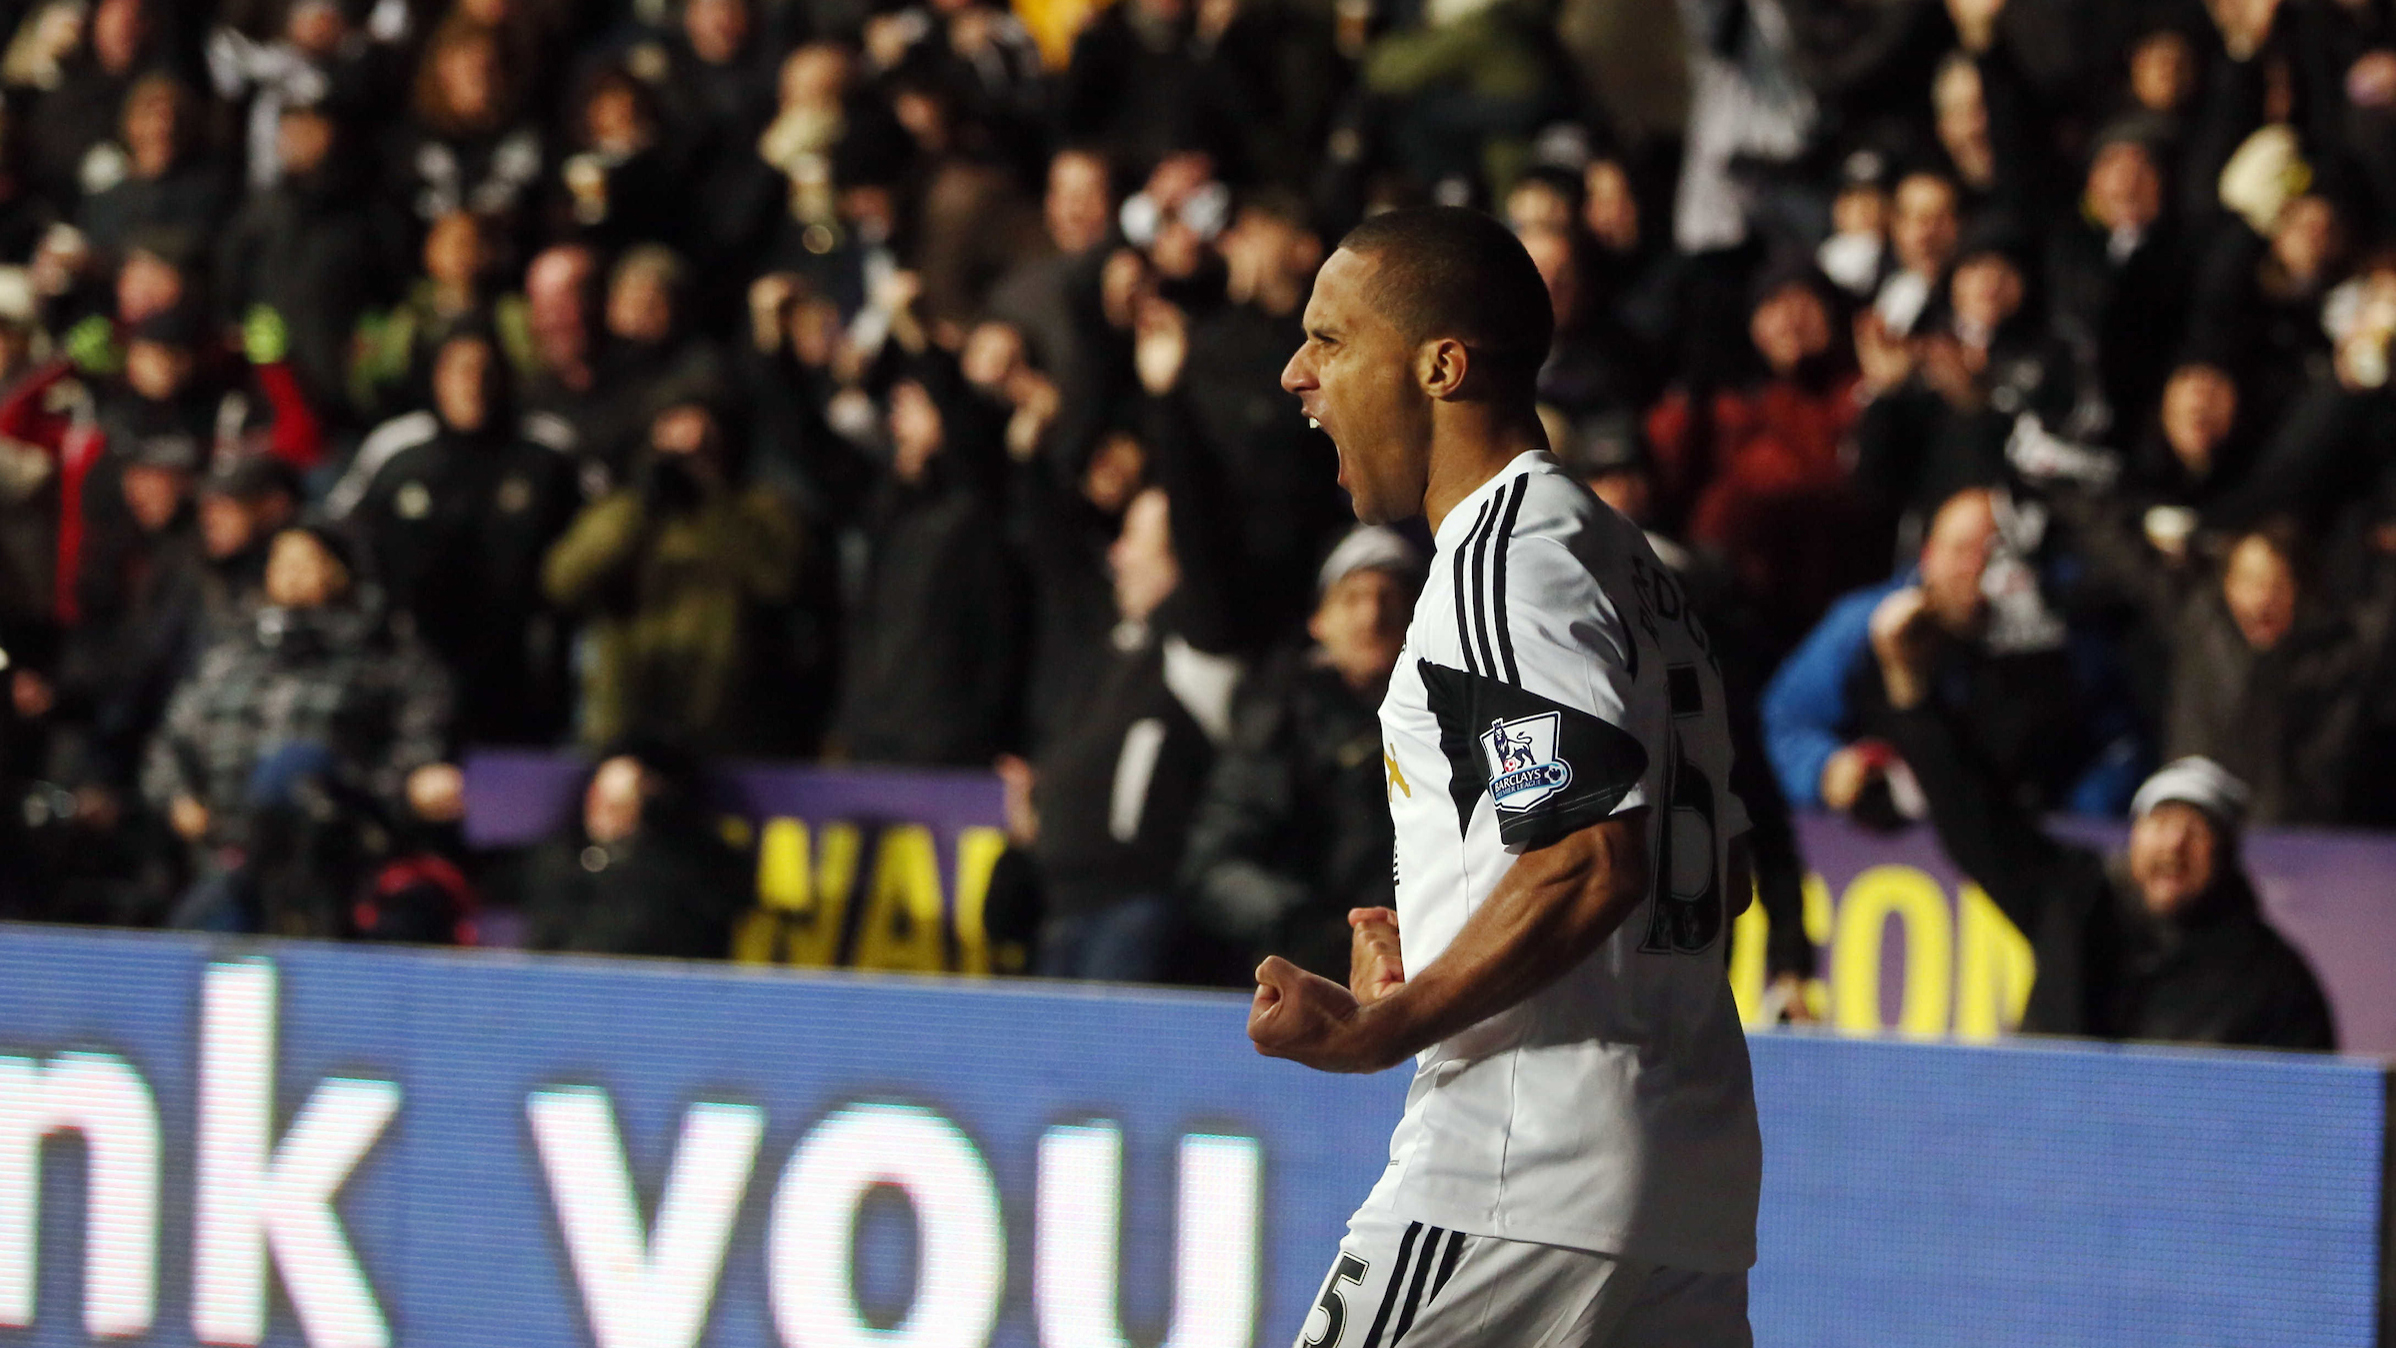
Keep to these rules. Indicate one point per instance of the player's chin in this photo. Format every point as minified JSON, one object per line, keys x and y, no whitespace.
{"x":1368,"y":510}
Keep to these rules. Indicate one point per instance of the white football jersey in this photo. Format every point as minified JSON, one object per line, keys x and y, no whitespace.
{"x":1552,"y":678}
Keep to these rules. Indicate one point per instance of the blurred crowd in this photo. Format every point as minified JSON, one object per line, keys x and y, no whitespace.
{"x":873,"y":381}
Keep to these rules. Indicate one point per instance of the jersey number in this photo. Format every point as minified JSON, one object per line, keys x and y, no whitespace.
{"x":1687,"y":912}
{"x":1334,"y":1306}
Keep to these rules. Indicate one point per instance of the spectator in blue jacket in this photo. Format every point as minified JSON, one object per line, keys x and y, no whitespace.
{"x":2039,"y":702}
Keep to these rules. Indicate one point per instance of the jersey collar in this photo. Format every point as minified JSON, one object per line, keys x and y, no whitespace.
{"x":1459,"y":519}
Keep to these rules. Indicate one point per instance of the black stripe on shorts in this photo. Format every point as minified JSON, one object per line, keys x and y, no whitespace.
{"x":1397,"y":1277}
{"x":1414,"y":1294}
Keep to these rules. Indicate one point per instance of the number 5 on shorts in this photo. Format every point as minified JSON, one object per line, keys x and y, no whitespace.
{"x":1349,"y":1270}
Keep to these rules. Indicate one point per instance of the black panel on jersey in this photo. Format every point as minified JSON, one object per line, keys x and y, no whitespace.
{"x":1549,"y":769}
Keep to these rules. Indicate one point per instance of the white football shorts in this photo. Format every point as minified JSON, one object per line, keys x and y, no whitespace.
{"x":1400,"y":1282}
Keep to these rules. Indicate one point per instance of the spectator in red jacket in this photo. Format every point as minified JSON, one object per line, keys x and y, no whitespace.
{"x":1756,"y":467}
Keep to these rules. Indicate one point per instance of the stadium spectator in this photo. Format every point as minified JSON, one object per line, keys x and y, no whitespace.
{"x":392,"y":372}
{"x":934,"y":658}
{"x":1293,"y":830}
{"x":673,"y":577}
{"x":1758,"y":469}
{"x":2266,"y":676}
{"x":622,"y":186}
{"x":1856,"y":255}
{"x":1214,"y":379}
{"x":161,"y":180}
{"x":717,"y":94}
{"x":1950,"y":406}
{"x":1116,"y":792}
{"x":1468,"y":87}
{"x":2200,"y":446}
{"x":1598,"y":363}
{"x":141,"y":608}
{"x":1925,"y":227}
{"x":561,"y":385}
{"x":304,"y":254}
{"x":317,"y":689}
{"x":2259,"y":300}
{"x":81,"y":67}
{"x":1063,"y":534}
{"x":158,"y":407}
{"x":640,"y":869}
{"x":1137,"y":87}
{"x":651,"y":343}
{"x":1052,"y":299}
{"x":321,"y":59}
{"x":2120,"y":274}
{"x":2165,"y":942}
{"x":244,"y":501}
{"x":467,"y":145}
{"x":2004,"y":669}
{"x":471,"y":511}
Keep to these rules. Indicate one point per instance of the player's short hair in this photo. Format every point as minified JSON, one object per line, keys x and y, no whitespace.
{"x":1448,"y":271}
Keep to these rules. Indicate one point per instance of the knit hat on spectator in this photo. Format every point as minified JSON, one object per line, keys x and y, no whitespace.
{"x":1601,"y":443}
{"x":1995,"y":232}
{"x":337,"y":544}
{"x":247,"y":477}
{"x":691,"y":386}
{"x":1867,"y":166}
{"x":2200,"y":782}
{"x":173,"y":245}
{"x":180,"y":327}
{"x":168,"y":448}
{"x":1792,"y":269}
{"x":2147,"y":130}
{"x":1371,"y":547}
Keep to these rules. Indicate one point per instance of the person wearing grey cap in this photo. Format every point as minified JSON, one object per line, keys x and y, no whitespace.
{"x":244,"y":501}
{"x":1293,"y":831}
{"x":2163,"y":941}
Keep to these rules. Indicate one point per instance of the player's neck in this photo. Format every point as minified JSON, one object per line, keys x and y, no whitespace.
{"x":1473,"y":445}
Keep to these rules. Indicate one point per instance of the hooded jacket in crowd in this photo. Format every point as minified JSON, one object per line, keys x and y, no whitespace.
{"x":458,"y":527}
{"x":933,"y":651}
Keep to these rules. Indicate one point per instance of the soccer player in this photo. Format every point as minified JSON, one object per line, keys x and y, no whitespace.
{"x":1578,"y":1162}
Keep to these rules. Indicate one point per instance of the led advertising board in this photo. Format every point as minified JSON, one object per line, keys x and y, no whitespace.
{"x":246,"y":1144}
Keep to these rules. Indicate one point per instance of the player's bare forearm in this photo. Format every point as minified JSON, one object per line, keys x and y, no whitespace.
{"x":1553,"y":908}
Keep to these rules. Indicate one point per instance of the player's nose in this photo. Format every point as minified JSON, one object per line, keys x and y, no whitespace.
{"x":1298,"y":375}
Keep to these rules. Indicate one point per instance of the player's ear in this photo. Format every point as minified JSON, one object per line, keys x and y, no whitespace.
{"x":1440,"y":366}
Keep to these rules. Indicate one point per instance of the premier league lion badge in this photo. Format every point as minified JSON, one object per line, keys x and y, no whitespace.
{"x":1523,"y":767}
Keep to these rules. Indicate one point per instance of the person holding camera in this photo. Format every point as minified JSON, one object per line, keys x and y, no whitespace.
{"x":674,"y":576}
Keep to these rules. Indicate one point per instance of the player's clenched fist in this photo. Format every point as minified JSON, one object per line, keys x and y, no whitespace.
{"x":1309,"y":1019}
{"x":1375,"y":967}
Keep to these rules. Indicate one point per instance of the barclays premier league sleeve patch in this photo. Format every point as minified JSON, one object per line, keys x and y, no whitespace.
{"x":1524,"y":768}
{"x":1547,"y":768}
